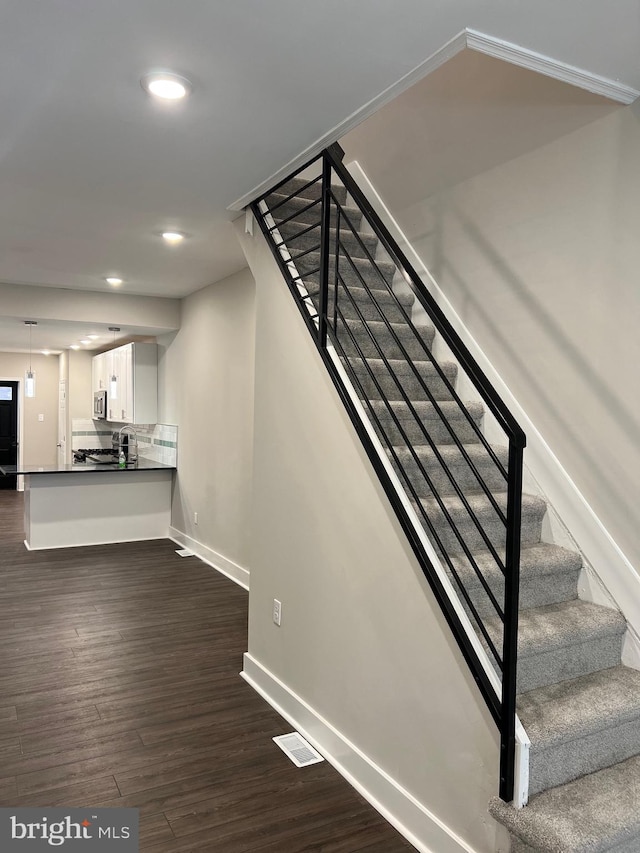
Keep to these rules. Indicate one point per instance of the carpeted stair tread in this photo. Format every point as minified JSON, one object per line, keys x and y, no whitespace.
{"x":561,"y":625}
{"x":360,"y":305}
{"x":298,"y":208}
{"x":314,"y":190}
{"x":361,"y":296}
{"x":492,"y":527}
{"x":576,"y":708}
{"x":565,"y":624}
{"x":453,"y":461}
{"x":400,"y":377}
{"x":363,"y":269}
{"x":548,"y":575}
{"x":299,"y":236}
{"x":580,"y":726}
{"x":482,"y":507}
{"x":596,"y":813}
{"x":375,"y":338}
{"x":429,"y":420}
{"x":563,"y":641}
{"x":542,"y":560}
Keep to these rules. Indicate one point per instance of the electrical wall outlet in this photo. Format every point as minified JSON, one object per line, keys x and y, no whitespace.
{"x":277,"y":611}
{"x":195,"y":517}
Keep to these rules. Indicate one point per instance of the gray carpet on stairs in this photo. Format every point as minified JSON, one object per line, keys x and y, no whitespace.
{"x":593,"y":814}
{"x":579,"y":705}
{"x":580,"y":726}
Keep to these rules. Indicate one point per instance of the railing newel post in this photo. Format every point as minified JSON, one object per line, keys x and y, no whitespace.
{"x":510,"y":636}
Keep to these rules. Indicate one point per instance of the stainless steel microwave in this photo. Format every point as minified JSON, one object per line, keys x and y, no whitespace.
{"x":99,"y":405}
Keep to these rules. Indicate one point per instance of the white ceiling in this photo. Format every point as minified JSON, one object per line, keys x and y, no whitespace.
{"x":91,"y":169}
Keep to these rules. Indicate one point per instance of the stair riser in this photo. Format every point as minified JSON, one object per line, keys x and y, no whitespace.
{"x":370,"y":311}
{"x":379,"y":304}
{"x":564,"y":663}
{"x":312,"y":191}
{"x":462,"y":474}
{"x":311,"y":240}
{"x":535,"y":593}
{"x":348,"y":274}
{"x":434,"y":427}
{"x":313,"y":214}
{"x":566,"y":761}
{"x":494,"y":530}
{"x":384,"y":343}
{"x":411,"y":386}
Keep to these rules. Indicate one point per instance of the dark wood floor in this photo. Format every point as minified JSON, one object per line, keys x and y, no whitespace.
{"x":119,"y":686}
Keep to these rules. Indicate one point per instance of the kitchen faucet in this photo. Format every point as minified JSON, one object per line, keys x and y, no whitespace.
{"x":132,"y":445}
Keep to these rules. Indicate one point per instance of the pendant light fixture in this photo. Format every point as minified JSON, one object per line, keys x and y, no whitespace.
{"x":113,"y":384}
{"x":30,"y":377}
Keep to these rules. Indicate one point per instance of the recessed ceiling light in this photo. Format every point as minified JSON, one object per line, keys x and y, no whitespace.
{"x":113,"y":281}
{"x":172,"y":237}
{"x":93,"y":337}
{"x":46,"y":352}
{"x":165,"y":85}
{"x":74,"y":346}
{"x":85,"y":342}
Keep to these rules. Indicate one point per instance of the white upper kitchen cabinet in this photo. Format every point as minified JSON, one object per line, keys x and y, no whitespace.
{"x":135,"y":368}
{"x":99,"y":372}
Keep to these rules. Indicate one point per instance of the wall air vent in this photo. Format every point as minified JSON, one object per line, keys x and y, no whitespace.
{"x":299,"y":751}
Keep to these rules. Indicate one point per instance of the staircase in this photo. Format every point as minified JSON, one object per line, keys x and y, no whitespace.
{"x":578,"y":704}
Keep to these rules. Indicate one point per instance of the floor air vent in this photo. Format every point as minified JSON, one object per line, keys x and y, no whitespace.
{"x":298,"y":750}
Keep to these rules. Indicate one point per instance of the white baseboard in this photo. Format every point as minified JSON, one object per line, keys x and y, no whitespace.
{"x":591,"y":537}
{"x":91,"y":543}
{"x":217,"y":561}
{"x":424,"y":830}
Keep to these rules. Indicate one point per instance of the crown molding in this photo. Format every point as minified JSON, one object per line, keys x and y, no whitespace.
{"x":525,"y":58}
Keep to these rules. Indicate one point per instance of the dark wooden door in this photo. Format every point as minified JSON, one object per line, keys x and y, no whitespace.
{"x":8,"y":430}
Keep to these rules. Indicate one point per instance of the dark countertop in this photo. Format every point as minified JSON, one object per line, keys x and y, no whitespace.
{"x":80,"y":467}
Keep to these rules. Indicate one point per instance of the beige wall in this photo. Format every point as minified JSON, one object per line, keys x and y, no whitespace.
{"x":540,"y":258}
{"x":206,"y":387}
{"x":155,"y":314}
{"x":362,"y":640}
{"x":39,"y":437}
{"x":80,"y":392}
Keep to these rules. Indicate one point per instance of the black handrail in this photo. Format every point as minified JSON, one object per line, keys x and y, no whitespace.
{"x":333,"y":330}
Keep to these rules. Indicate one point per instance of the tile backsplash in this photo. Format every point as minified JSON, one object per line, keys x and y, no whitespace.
{"x":158,"y":442}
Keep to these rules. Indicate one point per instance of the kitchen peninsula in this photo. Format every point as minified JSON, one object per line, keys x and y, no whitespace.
{"x":68,"y":505}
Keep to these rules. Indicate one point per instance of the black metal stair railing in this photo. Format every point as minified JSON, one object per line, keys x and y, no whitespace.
{"x":351,"y":301}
